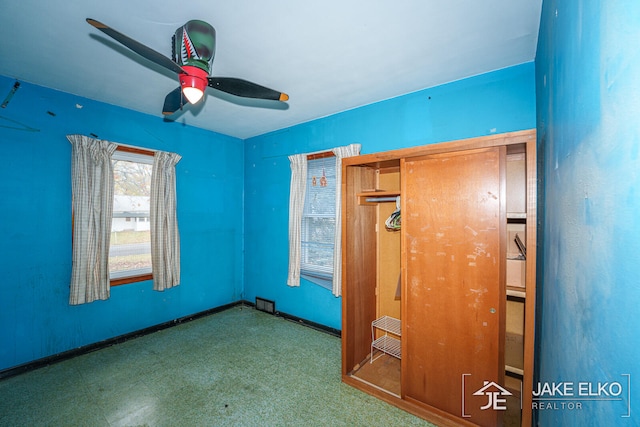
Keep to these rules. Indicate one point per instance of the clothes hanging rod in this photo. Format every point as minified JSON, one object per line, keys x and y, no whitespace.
{"x":380,"y":199}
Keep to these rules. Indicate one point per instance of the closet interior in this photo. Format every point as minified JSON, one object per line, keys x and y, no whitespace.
{"x":438,"y":285}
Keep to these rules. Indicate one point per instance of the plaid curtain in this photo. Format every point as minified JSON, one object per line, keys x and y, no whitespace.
{"x":165,"y":239}
{"x":92,"y":193}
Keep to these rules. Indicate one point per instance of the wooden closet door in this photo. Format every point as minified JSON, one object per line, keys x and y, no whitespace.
{"x":454,"y":287}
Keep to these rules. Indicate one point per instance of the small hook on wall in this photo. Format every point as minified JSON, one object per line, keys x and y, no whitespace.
{"x":16,"y":85}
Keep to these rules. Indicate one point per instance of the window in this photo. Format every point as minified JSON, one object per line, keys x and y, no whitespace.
{"x":314,"y":200}
{"x":130,"y":243}
{"x":319,"y":221}
{"x":141,"y":175}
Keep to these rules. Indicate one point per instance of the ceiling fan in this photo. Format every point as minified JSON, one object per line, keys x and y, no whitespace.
{"x":194,"y":47}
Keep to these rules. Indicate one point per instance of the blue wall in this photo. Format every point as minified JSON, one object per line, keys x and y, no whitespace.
{"x":225,"y":256}
{"x":35,"y":224}
{"x":588,"y":97}
{"x":496,"y":102}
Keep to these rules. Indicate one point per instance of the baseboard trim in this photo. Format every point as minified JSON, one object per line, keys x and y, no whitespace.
{"x":301,"y":321}
{"x":50,"y":360}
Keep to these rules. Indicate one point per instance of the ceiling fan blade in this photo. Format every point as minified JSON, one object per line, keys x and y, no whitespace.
{"x":173,"y":102}
{"x":245,"y":89}
{"x":137,"y":47}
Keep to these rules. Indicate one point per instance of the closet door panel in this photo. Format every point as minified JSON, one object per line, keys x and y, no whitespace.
{"x":454,"y":311}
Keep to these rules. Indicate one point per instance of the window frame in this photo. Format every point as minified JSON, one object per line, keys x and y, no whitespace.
{"x":322,"y":279}
{"x":135,"y":277}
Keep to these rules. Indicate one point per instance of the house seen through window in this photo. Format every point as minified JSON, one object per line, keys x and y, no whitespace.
{"x":130,"y":245}
{"x":318,"y":222}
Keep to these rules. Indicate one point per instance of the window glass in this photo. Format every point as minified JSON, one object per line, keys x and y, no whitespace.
{"x":130,"y":247}
{"x":318,"y":221}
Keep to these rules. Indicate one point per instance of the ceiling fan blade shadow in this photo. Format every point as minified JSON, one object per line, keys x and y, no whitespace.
{"x":137,"y":47}
{"x":245,"y":89}
{"x":173,"y":102}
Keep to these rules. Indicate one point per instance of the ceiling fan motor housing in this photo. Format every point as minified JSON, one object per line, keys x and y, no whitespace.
{"x":194,"y":45}
{"x":195,"y":77}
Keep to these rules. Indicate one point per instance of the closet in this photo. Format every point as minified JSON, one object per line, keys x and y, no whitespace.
{"x":438,"y":286}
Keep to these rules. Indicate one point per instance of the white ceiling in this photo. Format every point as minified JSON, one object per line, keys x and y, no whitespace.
{"x":329,"y":56}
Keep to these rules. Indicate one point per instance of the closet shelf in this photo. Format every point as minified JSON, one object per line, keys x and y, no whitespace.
{"x":516,"y":292}
{"x":388,"y":324}
{"x":388,"y":345}
{"x":514,"y":370}
{"x":516,"y":216}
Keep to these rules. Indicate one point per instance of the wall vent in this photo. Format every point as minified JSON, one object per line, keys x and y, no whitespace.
{"x":265,"y":305}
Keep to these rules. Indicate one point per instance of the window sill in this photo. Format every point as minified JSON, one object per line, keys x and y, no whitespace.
{"x":130,"y":279}
{"x":326,"y":281}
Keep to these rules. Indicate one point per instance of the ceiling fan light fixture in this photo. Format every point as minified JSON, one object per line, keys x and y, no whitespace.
{"x":193,"y":84}
{"x":193,"y":94}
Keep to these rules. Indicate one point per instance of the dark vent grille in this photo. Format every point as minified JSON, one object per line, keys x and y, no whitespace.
{"x":265,"y":305}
